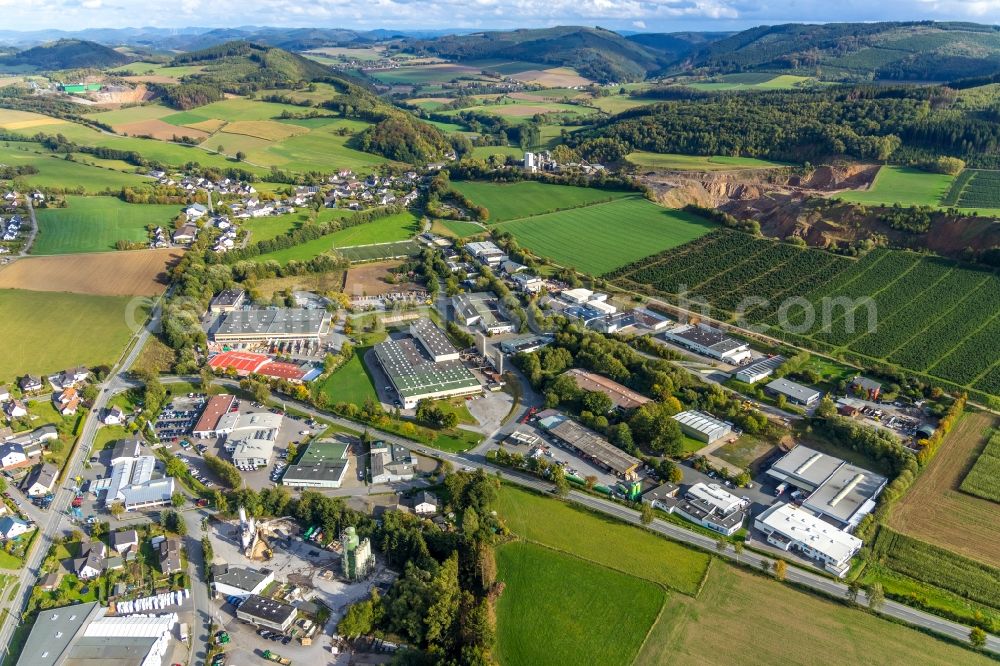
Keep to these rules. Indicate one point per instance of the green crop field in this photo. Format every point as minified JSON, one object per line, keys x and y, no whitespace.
{"x":753,"y":81}
{"x":44,"y":332}
{"x":389,"y":229}
{"x":559,"y":610}
{"x":602,"y":237}
{"x":133,"y":114}
{"x":94,"y":224}
{"x":407,"y":248}
{"x":726,"y":625}
{"x":698,"y":163}
{"x":983,"y":480}
{"x":266,"y":228}
{"x":485,"y":152}
{"x":976,"y":189}
{"x":615,"y":104}
{"x":351,"y":382}
{"x":602,"y":540}
{"x":902,"y":185}
{"x":58,"y":173}
{"x":928,"y":314}
{"x":510,"y":201}
{"x":231,"y":110}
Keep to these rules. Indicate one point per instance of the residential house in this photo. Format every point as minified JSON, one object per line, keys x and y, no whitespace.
{"x":124,"y":542}
{"x":170,"y":555}
{"x":30,"y":383}
{"x":41,"y":480}
{"x":67,"y":401}
{"x":92,"y":561}
{"x":114,"y":416}
{"x":4,"y":393}
{"x":15,"y":409}
{"x":425,"y":504}
{"x":12,"y":455}
{"x":186,"y":234}
{"x":11,"y":528}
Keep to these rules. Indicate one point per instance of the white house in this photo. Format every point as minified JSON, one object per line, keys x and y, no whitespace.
{"x":42,"y":479}
{"x":91,"y":563}
{"x":425,"y":504}
{"x":11,"y":528}
{"x":12,"y":455}
{"x":114,"y":416}
{"x":15,"y":409}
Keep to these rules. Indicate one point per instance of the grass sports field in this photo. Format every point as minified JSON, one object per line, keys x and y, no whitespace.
{"x":602,"y":237}
{"x":937,"y":511}
{"x":675,"y":162}
{"x":44,"y":332}
{"x":602,"y":540}
{"x":541,"y":616}
{"x":94,"y":224}
{"x":384,"y":230}
{"x":741,"y":617}
{"x":510,"y":201}
{"x":350,"y":383}
{"x":56,"y":172}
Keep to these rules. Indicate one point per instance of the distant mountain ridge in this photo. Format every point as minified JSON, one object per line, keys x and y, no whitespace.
{"x":595,"y":53}
{"x":66,"y":54}
{"x":913,"y":51}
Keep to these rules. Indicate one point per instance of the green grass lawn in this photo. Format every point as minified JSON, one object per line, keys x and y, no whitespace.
{"x":602,"y":540}
{"x":908,"y":187}
{"x":94,"y":224}
{"x":511,"y":201}
{"x":457,"y":228}
{"x":560,"y":610}
{"x":44,"y":332}
{"x":351,"y":382}
{"x":266,"y":228}
{"x":57,"y":172}
{"x":697,"y":162}
{"x":599,"y":238}
{"x":400,"y":226}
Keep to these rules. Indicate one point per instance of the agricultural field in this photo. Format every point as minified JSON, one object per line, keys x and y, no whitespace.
{"x":486,"y":152}
{"x":752,"y":81}
{"x":983,"y":480}
{"x":95,"y":224}
{"x":317,"y":282}
{"x":266,"y":228}
{"x":389,"y":229}
{"x":926,"y":314}
{"x":902,"y":185}
{"x":132,"y":273}
{"x":601,"y":237}
{"x":510,"y":201}
{"x":539,"y":618}
{"x":937,"y":511}
{"x":733,"y":621}
{"x":407,"y":248}
{"x":373,"y":278}
{"x":938,"y":567}
{"x":44,"y":332}
{"x":56,"y":172}
{"x":425,"y":74}
{"x":351,"y":382}
{"x":517,"y":111}
{"x":602,"y":540}
{"x":675,"y":162}
{"x":615,"y":104}
{"x":975,"y":188}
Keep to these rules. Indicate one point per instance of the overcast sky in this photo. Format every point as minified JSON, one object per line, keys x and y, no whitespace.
{"x":641,"y":15}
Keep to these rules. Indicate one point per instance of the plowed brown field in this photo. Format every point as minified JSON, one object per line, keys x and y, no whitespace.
{"x":136,"y":273}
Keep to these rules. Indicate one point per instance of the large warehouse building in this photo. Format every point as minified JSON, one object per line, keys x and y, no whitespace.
{"x":425,"y":366}
{"x":272,"y":325}
{"x":702,"y":426}
{"x":710,"y":342}
{"x":322,"y":465}
{"x":837,"y":490}
{"x":791,"y":528}
{"x":252,"y":440}
{"x":591,"y":445}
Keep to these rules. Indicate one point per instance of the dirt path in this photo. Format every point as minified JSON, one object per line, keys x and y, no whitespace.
{"x":26,"y":248}
{"x":936,"y":510}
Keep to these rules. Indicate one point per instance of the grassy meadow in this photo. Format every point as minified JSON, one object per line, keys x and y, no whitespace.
{"x":94,"y":224}
{"x":54,"y":171}
{"x":510,"y":201}
{"x":44,"y":332}
{"x":398,"y":227}
{"x":902,"y":185}
{"x":351,"y":382}
{"x":676,"y":162}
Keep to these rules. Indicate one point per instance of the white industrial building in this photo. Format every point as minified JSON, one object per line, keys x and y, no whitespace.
{"x":711,"y":342}
{"x":132,"y":483}
{"x":702,"y":426}
{"x":82,"y":634}
{"x":481,"y":310}
{"x":760,"y":369}
{"x":240,"y":582}
{"x":791,"y":528}
{"x":842,"y":492}
{"x":794,"y":392}
{"x":712,"y":507}
{"x":253,"y":437}
{"x":486,"y":252}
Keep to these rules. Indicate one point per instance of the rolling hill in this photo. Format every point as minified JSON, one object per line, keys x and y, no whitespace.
{"x":66,"y":54}
{"x":598,"y":54}
{"x":912,"y":51}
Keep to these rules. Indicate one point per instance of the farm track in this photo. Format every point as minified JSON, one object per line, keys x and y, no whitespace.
{"x":935,"y":510}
